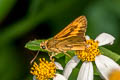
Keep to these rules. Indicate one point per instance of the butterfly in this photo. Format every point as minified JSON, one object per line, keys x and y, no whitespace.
{"x":72,"y":37}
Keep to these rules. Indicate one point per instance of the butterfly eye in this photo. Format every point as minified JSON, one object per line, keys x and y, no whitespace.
{"x":43,"y":47}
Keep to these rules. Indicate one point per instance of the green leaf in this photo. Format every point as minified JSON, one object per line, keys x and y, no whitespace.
{"x":74,"y":74}
{"x":34,"y":45}
{"x":67,"y":58}
{"x":95,"y":69}
{"x":96,"y":77}
{"x":36,"y":6}
{"x":59,"y":55}
{"x":5,"y":7}
{"x":109,"y":53}
{"x":71,"y":53}
{"x":29,"y":77}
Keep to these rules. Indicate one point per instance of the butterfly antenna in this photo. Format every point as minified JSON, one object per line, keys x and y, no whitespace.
{"x":34,"y":57}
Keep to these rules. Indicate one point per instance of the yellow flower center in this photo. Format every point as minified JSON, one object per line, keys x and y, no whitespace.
{"x":44,"y":70}
{"x":90,"y":52}
{"x":114,"y":75}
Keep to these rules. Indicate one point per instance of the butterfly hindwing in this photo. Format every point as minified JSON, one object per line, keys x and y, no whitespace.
{"x":72,"y":43}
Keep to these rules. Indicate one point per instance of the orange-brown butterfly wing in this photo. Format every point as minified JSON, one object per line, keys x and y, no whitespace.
{"x":76,"y":28}
{"x":72,"y":43}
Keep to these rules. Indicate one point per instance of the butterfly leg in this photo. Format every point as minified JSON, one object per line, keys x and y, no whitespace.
{"x":51,"y":55}
{"x":34,"y":57}
{"x":51,"y":58}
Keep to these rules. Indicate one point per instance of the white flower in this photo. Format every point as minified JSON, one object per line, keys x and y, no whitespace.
{"x":104,"y":64}
{"x":46,"y":70}
{"x":59,"y":76}
{"x":70,"y":66}
{"x":87,"y":71}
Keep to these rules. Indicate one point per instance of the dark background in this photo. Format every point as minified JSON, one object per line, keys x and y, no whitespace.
{"x":25,"y":20}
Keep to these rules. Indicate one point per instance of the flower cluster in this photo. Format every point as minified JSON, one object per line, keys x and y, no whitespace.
{"x":104,"y":64}
{"x":46,"y":70}
{"x":108,"y":68}
{"x":90,"y":52}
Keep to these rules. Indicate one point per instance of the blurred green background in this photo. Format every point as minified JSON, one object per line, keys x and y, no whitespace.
{"x":25,"y":20}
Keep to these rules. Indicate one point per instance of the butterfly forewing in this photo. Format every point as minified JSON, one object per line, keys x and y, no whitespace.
{"x":72,"y":37}
{"x":76,"y":28}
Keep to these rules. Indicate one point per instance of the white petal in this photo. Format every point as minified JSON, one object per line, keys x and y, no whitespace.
{"x":105,"y":65}
{"x":105,"y":38}
{"x":86,"y":71}
{"x":58,"y":65}
{"x":70,"y":66}
{"x":59,"y":77}
{"x":34,"y":78}
{"x":87,"y":37}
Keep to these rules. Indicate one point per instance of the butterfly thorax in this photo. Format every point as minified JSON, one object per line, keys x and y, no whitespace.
{"x":51,"y":45}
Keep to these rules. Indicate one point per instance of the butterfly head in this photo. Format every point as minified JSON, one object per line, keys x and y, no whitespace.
{"x":43,"y":45}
